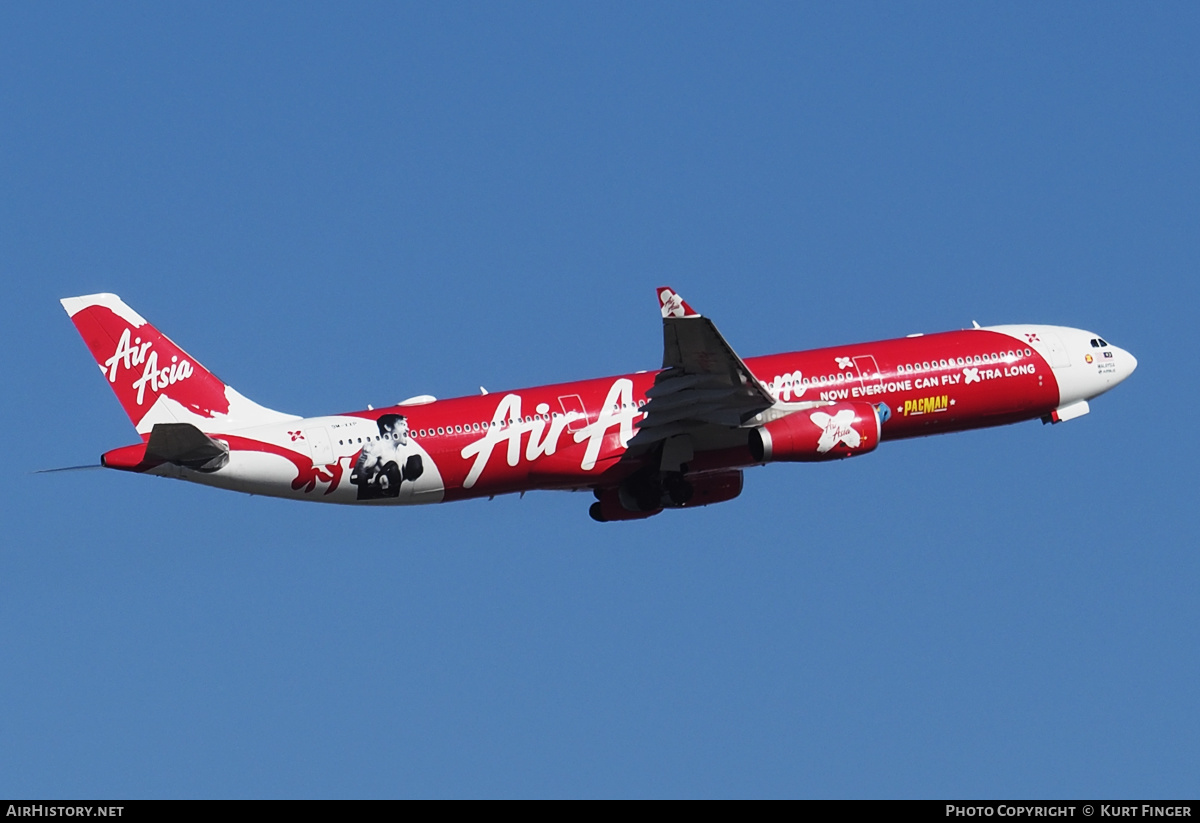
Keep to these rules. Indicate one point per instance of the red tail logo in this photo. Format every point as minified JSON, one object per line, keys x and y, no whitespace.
{"x":143,"y":366}
{"x":138,"y":353}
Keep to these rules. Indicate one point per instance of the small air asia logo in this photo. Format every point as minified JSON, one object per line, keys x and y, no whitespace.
{"x":838,"y":428}
{"x":1032,"y":337}
{"x":672,"y":304}
{"x":296,"y":435}
{"x":844,"y":363}
{"x":131,"y":353}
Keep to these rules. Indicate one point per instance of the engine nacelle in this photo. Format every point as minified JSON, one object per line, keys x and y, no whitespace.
{"x":648,"y":494}
{"x":825,"y":433}
{"x":612,"y":505}
{"x":712,"y":487}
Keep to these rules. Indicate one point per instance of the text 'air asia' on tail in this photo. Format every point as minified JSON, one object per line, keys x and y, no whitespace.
{"x":671,"y":439}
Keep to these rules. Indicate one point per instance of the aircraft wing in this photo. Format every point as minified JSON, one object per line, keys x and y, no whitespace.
{"x":703,"y":382}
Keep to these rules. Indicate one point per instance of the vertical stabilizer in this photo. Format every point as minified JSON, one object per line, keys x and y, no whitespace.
{"x":155,"y":380}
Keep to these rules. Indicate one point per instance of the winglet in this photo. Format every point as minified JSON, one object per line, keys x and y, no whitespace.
{"x":673,"y":305}
{"x":703,"y":381}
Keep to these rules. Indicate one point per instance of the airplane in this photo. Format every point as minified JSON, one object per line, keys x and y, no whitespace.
{"x":675,"y":438}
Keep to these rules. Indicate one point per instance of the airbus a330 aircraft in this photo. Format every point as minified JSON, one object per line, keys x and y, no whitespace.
{"x":675,"y":438}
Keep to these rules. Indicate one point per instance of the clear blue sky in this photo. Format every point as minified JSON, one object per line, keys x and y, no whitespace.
{"x":336,"y":207}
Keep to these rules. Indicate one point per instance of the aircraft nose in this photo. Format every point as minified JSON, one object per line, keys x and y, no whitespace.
{"x":1126,"y":363}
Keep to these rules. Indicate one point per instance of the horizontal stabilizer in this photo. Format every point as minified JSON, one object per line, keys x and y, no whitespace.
{"x":88,"y":467}
{"x":185,"y":445}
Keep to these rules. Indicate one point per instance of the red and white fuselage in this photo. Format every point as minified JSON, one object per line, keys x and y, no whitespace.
{"x":644,"y":441}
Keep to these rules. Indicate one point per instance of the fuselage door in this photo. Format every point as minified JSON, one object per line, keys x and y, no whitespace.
{"x":868,"y":371}
{"x":575,"y":411}
{"x":1058,"y":352}
{"x":1050,"y":346}
{"x":319,"y":445}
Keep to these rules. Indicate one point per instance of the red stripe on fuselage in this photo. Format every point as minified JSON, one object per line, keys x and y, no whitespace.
{"x":933,"y":384}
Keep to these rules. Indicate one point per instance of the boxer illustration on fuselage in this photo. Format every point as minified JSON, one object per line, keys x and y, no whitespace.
{"x":382,"y":466}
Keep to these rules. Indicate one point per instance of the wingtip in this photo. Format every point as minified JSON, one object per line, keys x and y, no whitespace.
{"x":672,"y":305}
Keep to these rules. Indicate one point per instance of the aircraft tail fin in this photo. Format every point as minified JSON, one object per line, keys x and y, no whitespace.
{"x":155,"y":380}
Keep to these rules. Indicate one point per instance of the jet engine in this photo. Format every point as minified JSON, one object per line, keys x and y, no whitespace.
{"x":824,"y":433}
{"x":711,"y":487}
{"x":646,"y":495}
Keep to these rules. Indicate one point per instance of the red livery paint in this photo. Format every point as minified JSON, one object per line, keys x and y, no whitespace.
{"x":675,"y":438}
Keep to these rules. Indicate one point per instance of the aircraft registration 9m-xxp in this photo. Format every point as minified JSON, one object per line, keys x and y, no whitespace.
{"x":675,"y":438}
